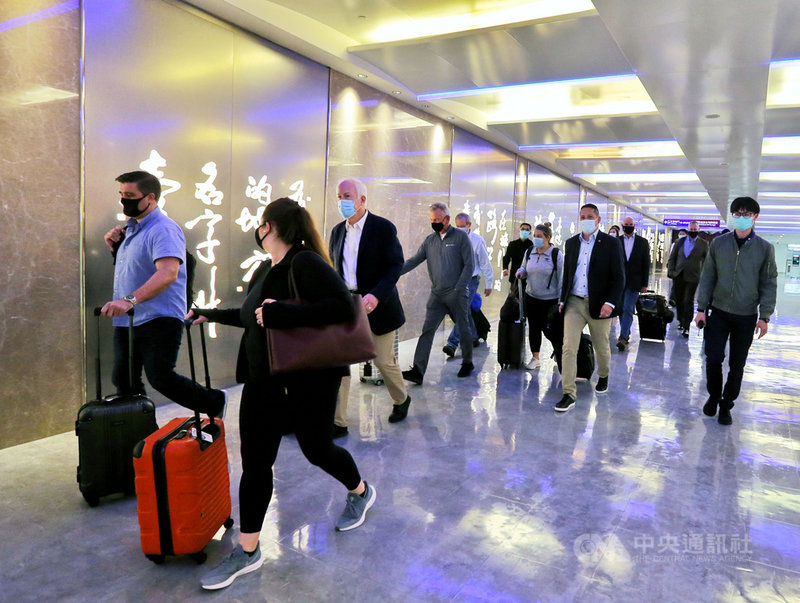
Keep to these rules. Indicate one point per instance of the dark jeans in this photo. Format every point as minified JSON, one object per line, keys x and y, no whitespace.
{"x":155,"y":348}
{"x":536,"y":311}
{"x":454,"y":303}
{"x":684,"y":300}
{"x":719,"y":327}
{"x":304,"y":403}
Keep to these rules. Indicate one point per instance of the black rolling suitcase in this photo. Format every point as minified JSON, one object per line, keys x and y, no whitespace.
{"x":511,"y":332}
{"x":653,"y":315}
{"x":585,"y":357}
{"x":108,"y":428}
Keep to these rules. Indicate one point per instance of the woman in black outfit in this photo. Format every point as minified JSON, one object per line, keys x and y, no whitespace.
{"x":303,"y":401}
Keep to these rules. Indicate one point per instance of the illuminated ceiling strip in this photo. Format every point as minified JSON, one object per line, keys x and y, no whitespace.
{"x":781,"y":145}
{"x":516,"y":13}
{"x":780,"y":195}
{"x":45,"y":13}
{"x":686,"y":194}
{"x":779,"y":176}
{"x":644,"y":177}
{"x":526,"y":87}
{"x":592,"y":145}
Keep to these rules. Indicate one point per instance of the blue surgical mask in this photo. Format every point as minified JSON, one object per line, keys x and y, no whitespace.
{"x":464,"y":229}
{"x":538,"y":242}
{"x":742,"y":222}
{"x":347,"y":208}
{"x":524,"y":234}
{"x":588,"y":226}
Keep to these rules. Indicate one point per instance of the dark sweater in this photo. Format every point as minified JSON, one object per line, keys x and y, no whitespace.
{"x":324,"y":293}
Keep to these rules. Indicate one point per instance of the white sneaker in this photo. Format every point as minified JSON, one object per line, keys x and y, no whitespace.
{"x":533,"y":364}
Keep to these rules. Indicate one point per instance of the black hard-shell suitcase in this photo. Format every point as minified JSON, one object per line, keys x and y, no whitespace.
{"x":653,"y":315}
{"x":511,"y":337}
{"x":108,"y":428}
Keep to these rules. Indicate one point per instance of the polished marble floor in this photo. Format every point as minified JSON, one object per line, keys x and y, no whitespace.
{"x":484,"y":494}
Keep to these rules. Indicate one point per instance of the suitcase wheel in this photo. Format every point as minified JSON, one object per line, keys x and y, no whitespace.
{"x":91,"y":499}
{"x":378,"y":381}
{"x":199,"y":558}
{"x":228,"y":523}
{"x":157,"y":559}
{"x":362,"y":379}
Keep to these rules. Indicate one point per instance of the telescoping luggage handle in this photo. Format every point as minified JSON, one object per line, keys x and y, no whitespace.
{"x":205,"y":439}
{"x":521,"y":300}
{"x":97,"y":312}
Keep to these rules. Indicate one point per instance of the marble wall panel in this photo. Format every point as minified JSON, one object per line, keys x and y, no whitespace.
{"x":403,"y":156}
{"x":226,"y":121}
{"x":482,"y":185}
{"x":40,"y":319}
{"x":553,"y":199}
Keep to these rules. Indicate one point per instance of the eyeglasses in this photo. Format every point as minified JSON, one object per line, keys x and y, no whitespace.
{"x":743,"y":214}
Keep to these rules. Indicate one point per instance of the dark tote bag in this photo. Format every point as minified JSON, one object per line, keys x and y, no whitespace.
{"x":308,"y":348}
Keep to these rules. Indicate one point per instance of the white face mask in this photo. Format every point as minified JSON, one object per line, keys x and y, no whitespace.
{"x":588,"y":226}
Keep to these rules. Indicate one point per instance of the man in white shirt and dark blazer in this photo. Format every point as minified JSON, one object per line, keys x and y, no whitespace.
{"x":365,"y":250}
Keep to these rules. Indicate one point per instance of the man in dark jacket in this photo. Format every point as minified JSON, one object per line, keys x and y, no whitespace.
{"x":451,"y":261}
{"x":591,"y":293}
{"x":515,"y":250}
{"x":735,"y":299}
{"x":367,"y":253}
{"x":684,"y":266}
{"x":637,"y":271}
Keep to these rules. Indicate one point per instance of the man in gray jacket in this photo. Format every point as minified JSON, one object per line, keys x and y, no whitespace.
{"x":449,"y":254}
{"x":735,"y":299}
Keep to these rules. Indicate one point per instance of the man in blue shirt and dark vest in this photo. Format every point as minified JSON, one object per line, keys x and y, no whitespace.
{"x":150,"y":276}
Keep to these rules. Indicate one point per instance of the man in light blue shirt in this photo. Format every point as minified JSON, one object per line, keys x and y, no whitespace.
{"x":150,"y":276}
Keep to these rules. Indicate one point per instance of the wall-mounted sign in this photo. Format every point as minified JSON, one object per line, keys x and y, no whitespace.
{"x":684,"y":223}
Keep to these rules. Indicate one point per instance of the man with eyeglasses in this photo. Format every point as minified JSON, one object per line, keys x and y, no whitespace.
{"x":735,"y":299}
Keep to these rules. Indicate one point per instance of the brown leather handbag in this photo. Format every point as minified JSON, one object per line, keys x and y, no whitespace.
{"x":305,"y":348}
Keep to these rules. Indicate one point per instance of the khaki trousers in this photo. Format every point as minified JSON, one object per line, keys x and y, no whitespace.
{"x":386,"y":362}
{"x":576,"y":318}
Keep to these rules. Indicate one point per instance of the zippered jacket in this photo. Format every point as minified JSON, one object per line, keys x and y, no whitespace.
{"x":738,"y":280}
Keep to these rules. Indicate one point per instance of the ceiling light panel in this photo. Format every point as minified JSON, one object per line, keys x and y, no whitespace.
{"x":781,"y":145}
{"x":612,"y":150}
{"x":783,"y":87}
{"x":548,"y":101}
{"x":653,"y":177}
{"x":478,"y":15}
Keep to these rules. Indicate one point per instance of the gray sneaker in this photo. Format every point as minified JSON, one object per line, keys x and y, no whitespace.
{"x":238,"y":563}
{"x":355,"y":509}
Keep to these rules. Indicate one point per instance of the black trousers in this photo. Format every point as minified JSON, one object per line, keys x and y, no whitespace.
{"x":155,"y":348}
{"x":721,"y":326}
{"x":683,"y":293}
{"x":304,"y":403}
{"x":536,"y":311}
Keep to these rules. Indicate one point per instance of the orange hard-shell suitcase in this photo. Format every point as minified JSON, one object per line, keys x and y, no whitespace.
{"x":182,"y":485}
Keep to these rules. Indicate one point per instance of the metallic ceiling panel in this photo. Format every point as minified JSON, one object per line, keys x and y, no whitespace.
{"x":691,"y":59}
{"x":538,"y":52}
{"x":782,"y":122}
{"x":786,"y":43}
{"x":626,"y":128}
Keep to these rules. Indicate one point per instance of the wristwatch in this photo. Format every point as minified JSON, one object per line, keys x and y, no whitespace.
{"x":130,"y":298}
{"x":766,"y":319}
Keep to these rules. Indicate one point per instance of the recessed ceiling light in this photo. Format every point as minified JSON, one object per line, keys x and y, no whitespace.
{"x":723,"y":164}
{"x":363,"y":76}
{"x":712,"y":116}
{"x":397,"y":92}
{"x":450,"y":117}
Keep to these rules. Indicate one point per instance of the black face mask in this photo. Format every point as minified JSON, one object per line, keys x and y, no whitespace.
{"x":628,"y":229}
{"x":437,"y":226}
{"x":260,"y":240}
{"x":693,"y":234}
{"x":130,"y":207}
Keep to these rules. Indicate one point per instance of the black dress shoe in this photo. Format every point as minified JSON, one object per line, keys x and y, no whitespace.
{"x":338,"y":431}
{"x":710,"y":407}
{"x":414,"y":375}
{"x":602,"y":385}
{"x":450,"y":351}
{"x":565,"y":403}
{"x":400,"y":411}
{"x":466,"y":369}
{"x":622,"y":344}
{"x":476,"y":343}
{"x":686,"y":333}
{"x":724,"y":417}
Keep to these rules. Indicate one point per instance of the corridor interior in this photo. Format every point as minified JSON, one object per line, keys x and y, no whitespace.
{"x":483,"y":493}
